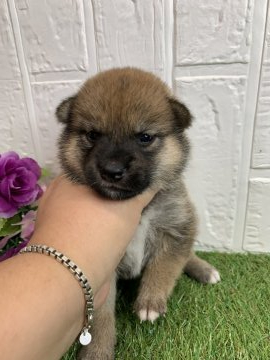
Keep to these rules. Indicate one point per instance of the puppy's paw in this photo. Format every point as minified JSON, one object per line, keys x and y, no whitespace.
{"x":202,"y":271}
{"x":213,"y":276}
{"x":208,"y":275}
{"x":150,"y":308}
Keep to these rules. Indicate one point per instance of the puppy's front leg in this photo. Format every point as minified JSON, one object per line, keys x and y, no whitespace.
{"x":102,"y":331}
{"x":159,"y":277}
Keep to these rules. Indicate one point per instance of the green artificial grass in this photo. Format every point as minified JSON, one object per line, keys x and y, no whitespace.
{"x":229,"y":320}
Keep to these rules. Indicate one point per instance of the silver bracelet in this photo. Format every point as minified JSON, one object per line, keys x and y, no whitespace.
{"x":85,"y":336}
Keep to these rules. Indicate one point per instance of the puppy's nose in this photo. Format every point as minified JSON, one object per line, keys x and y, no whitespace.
{"x":112,"y":171}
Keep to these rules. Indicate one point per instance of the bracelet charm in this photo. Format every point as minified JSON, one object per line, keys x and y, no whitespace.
{"x":85,"y":337}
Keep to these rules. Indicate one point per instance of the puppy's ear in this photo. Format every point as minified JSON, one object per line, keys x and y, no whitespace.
{"x":183,"y":117}
{"x":63,"y":110}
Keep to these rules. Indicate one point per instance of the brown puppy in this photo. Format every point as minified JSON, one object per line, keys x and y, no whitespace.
{"x":124,"y":133}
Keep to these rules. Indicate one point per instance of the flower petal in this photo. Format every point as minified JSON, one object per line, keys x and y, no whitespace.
{"x":28,"y":224}
{"x":25,"y":198}
{"x":13,"y":251}
{"x":31,"y":165}
{"x":4,"y":241}
{"x":29,"y":216}
{"x":40,"y":191}
{"x":7,"y":166}
{"x":27,"y":231}
{"x":7,"y":209}
{"x":6,"y":184}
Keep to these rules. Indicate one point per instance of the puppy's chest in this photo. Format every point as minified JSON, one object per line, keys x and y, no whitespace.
{"x":138,"y":250}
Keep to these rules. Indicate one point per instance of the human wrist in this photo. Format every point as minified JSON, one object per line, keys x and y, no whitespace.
{"x":70,"y":250}
{"x":47,"y":291}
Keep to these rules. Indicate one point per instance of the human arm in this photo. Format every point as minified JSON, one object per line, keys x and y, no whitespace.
{"x":41,"y":304}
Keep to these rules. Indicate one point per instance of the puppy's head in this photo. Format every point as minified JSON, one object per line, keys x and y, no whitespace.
{"x":123,"y":133}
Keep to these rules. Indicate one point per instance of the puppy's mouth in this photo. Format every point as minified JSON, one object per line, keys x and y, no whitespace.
{"x":114,"y":192}
{"x":124,"y":186}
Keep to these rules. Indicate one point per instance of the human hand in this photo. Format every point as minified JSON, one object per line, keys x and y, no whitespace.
{"x":91,"y":230}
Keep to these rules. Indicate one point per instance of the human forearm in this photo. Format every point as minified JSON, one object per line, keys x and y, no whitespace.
{"x":44,"y":311}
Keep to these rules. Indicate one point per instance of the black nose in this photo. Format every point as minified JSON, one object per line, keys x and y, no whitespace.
{"x":112,"y":171}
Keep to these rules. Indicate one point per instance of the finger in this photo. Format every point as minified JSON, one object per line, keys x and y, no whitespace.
{"x":145,"y":198}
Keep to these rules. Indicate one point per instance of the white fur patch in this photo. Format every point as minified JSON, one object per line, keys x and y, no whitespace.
{"x":143,"y":315}
{"x":135,"y":252}
{"x":214,"y":277}
{"x":150,"y":315}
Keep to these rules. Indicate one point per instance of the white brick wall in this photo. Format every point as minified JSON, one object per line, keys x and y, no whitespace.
{"x":214,"y":53}
{"x":217,"y":103}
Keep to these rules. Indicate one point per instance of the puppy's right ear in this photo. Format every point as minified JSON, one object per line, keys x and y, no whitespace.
{"x":63,"y":110}
{"x":181,"y":113}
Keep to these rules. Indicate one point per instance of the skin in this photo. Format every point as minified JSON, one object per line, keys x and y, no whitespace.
{"x":41,"y":304}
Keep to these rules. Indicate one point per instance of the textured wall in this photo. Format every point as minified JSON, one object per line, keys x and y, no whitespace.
{"x":261,"y":145}
{"x":257,"y":228}
{"x":217,"y":103}
{"x":215,"y":55}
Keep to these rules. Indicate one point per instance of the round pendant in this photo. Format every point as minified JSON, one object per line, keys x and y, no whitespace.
{"x":85,"y":337}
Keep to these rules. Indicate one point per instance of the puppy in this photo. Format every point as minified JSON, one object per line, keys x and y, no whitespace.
{"x":123,"y":133}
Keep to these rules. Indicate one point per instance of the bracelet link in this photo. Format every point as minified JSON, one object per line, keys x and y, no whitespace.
{"x":85,"y":337}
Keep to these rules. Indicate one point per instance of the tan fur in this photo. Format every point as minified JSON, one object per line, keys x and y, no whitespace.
{"x":119,"y":105}
{"x":71,"y":149}
{"x":159,"y":278}
{"x":140,"y":107}
{"x":167,"y":160}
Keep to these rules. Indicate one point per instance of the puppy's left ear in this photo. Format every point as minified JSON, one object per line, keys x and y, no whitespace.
{"x":183,"y":117}
{"x":63,"y":110}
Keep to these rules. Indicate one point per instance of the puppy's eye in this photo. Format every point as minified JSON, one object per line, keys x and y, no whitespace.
{"x":93,"y":135}
{"x":145,"y":139}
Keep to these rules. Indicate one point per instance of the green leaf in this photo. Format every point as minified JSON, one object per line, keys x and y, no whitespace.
{"x":2,"y":223}
{"x":45,"y":173}
{"x":24,"y":209}
{"x":8,"y":228}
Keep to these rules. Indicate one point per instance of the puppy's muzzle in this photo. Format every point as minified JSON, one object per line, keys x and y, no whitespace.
{"x":112,"y":171}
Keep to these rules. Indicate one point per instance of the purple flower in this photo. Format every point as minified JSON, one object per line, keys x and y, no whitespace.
{"x":18,"y":183}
